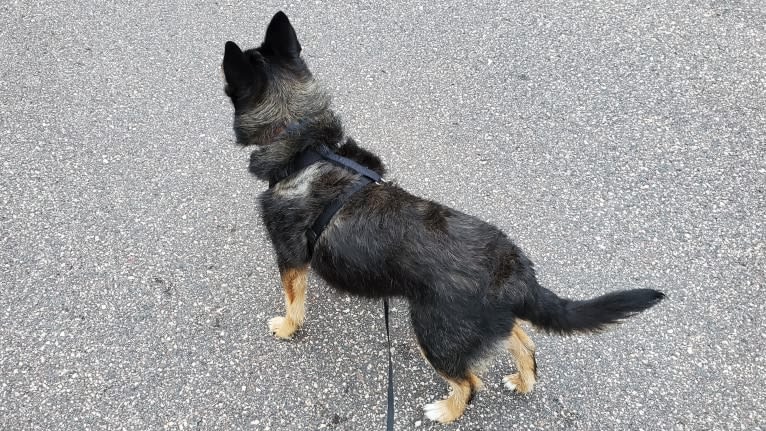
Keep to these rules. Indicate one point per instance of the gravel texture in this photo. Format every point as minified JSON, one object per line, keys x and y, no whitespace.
{"x":622,"y":144}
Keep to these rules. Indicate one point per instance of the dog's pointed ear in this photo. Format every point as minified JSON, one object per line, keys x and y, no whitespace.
{"x":237,"y":70}
{"x":281,"y":38}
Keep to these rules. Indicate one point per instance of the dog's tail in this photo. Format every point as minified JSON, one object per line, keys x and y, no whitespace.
{"x":560,"y":315}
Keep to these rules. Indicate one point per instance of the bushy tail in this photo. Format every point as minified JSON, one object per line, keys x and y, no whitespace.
{"x":564,"y":316}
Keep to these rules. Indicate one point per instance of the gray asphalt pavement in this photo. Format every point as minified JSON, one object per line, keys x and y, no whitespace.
{"x":622,"y":144}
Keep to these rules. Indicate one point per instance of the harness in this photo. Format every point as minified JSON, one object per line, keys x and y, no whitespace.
{"x":322,"y":153}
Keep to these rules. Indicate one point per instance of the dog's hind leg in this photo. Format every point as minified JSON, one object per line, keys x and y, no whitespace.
{"x":462,"y":388}
{"x":453,"y":345}
{"x":446,"y":411}
{"x":294,"y":285}
{"x":523,"y":350}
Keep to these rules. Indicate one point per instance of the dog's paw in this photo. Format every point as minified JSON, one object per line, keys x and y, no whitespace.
{"x":508,"y":380}
{"x":514,"y":383}
{"x":282,"y":327}
{"x":441,"y":411}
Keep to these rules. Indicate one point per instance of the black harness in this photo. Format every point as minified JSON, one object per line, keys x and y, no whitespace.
{"x":322,"y":153}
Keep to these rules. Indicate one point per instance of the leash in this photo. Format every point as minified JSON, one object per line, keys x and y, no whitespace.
{"x":390,"y":411}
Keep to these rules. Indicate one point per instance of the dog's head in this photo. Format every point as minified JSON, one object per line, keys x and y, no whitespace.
{"x":270,"y":86}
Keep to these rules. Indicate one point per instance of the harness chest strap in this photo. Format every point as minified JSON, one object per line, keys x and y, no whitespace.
{"x":310,"y":156}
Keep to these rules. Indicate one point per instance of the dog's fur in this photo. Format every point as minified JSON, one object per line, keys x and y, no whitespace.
{"x":467,"y":284}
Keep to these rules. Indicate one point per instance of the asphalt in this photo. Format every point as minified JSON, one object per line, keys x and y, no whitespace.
{"x":621,"y":144}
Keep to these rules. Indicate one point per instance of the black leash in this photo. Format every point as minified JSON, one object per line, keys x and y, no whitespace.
{"x":390,"y":411}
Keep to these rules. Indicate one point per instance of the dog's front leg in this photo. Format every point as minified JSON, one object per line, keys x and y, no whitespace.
{"x":294,"y":284}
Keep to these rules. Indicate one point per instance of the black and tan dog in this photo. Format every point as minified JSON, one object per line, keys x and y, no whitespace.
{"x":467,"y":284}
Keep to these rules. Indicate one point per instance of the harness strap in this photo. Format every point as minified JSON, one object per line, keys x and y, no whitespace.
{"x":310,"y":156}
{"x":349,"y":164}
{"x":312,"y":235}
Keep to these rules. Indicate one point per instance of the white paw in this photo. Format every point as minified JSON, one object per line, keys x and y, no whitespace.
{"x":435,"y":411}
{"x":281,"y":327}
{"x":508,"y":383}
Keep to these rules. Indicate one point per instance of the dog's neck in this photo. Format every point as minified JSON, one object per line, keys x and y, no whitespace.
{"x":291,"y":139}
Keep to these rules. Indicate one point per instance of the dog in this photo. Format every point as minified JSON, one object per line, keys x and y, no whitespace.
{"x":468,"y":285}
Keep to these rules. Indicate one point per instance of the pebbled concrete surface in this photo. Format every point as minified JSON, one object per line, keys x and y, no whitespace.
{"x":621,"y":143}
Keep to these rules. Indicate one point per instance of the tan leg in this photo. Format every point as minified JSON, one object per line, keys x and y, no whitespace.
{"x":294,"y":284}
{"x":446,"y":411}
{"x":473,"y":380}
{"x":523,"y":351}
{"x":476,"y":383}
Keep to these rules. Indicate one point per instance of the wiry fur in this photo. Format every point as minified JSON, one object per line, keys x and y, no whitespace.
{"x":467,"y":284}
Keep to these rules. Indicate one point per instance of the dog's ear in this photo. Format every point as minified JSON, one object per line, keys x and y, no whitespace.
{"x":236,"y":68}
{"x":281,"y":38}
